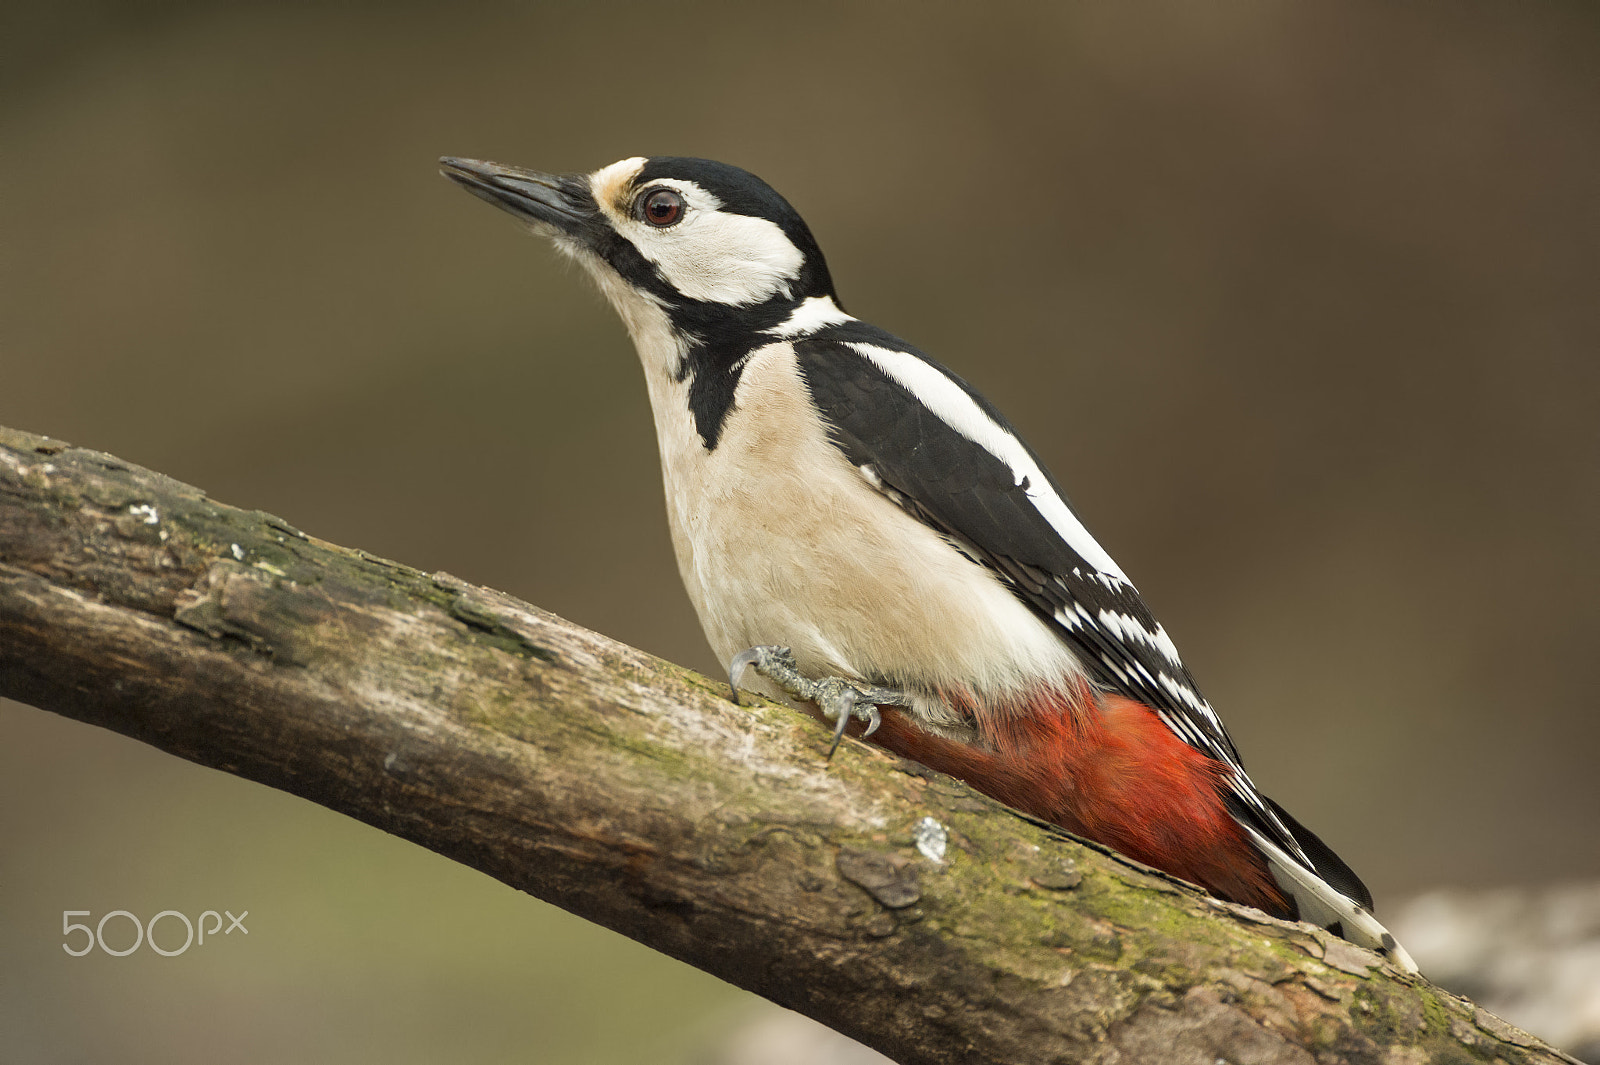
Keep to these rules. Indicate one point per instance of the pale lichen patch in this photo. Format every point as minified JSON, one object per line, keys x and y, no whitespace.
{"x":931,"y":839}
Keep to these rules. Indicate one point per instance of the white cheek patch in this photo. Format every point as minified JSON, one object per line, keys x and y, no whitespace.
{"x":711,"y":255}
{"x":721,"y":258}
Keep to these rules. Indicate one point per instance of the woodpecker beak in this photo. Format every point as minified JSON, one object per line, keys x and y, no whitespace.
{"x":563,"y":204}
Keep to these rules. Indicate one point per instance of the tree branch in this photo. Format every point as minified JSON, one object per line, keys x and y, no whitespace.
{"x":888,"y":902}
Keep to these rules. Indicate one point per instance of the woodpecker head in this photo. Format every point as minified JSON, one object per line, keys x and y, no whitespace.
{"x":697,"y":237}
{"x":704,"y":262}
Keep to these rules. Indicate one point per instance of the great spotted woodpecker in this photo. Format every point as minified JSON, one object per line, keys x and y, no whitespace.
{"x":867,"y":531}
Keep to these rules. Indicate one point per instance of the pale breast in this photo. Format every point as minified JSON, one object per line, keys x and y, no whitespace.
{"x":780,"y":540}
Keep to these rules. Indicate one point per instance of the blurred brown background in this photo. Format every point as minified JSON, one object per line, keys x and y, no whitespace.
{"x":1298,"y":300}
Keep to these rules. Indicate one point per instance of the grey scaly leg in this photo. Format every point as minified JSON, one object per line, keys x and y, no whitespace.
{"x":839,"y":699}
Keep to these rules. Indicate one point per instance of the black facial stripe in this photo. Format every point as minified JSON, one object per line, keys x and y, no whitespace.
{"x":718,"y":337}
{"x":618,"y":251}
{"x":718,"y":344}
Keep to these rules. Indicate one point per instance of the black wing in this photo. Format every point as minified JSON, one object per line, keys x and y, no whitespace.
{"x":986,"y":499}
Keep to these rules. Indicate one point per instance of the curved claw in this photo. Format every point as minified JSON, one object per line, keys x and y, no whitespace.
{"x":838,"y":730}
{"x":766,"y":657}
{"x":852,"y":702}
{"x":739,"y":667}
{"x":874,"y":719}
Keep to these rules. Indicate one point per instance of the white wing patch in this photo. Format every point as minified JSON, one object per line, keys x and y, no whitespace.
{"x":951,"y":403}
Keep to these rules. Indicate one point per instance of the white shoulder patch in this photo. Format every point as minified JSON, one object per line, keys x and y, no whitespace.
{"x":814,"y":313}
{"x":951,"y":403}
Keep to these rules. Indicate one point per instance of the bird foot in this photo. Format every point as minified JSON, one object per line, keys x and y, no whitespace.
{"x":839,"y":699}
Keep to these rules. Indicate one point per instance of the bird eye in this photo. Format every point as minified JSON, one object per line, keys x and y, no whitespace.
{"x":661,"y":207}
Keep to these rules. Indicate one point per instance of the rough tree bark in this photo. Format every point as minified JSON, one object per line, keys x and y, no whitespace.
{"x":888,"y":902}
